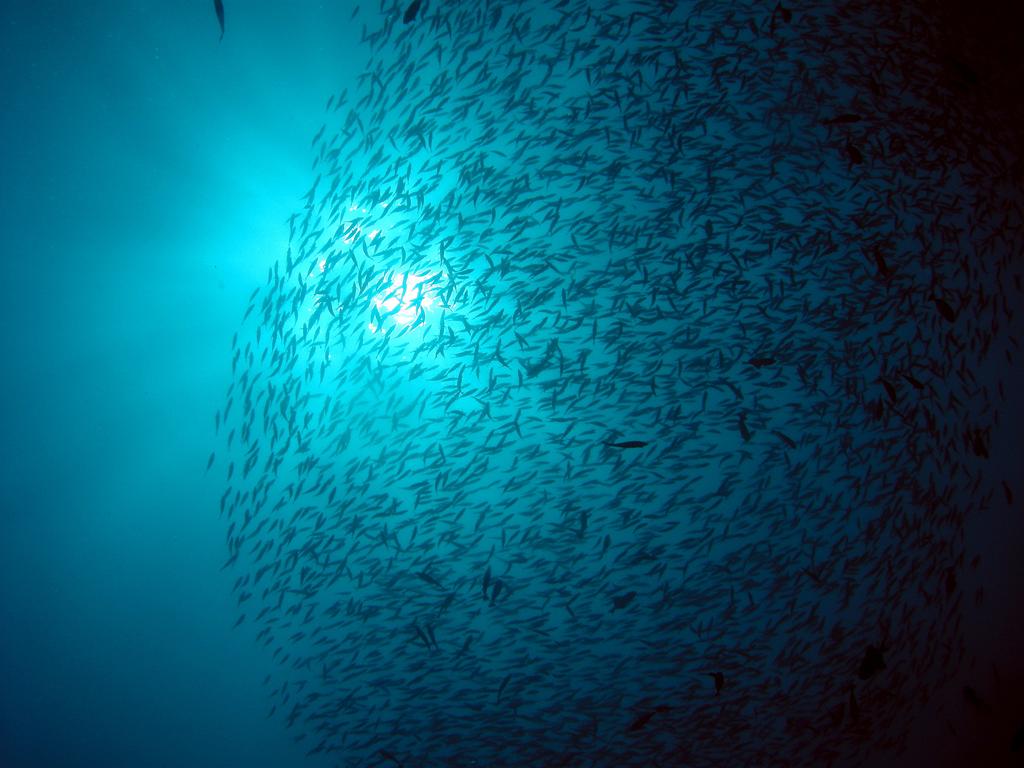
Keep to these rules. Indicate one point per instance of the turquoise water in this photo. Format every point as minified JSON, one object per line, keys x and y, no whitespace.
{"x":775,"y":259}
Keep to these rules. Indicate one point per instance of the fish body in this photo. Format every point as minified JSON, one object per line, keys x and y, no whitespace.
{"x":218,"y":6}
{"x":623,"y":600}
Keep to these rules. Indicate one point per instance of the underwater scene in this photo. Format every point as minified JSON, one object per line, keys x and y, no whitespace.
{"x":508,"y":384}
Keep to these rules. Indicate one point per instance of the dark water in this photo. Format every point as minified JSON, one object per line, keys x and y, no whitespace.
{"x":625,"y":384}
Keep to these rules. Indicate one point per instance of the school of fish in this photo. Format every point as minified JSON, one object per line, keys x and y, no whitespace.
{"x":616,"y":401}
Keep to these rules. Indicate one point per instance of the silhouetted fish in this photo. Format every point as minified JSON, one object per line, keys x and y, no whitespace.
{"x":218,"y":6}
{"x":1017,"y":742}
{"x":411,"y":11}
{"x":719,"y":679}
{"x":623,"y":600}
{"x":872,"y":663}
{"x":645,"y":718}
{"x":844,"y":118}
{"x":947,"y":312}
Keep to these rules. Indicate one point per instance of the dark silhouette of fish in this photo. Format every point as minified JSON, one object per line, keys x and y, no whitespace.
{"x":853,"y":154}
{"x":496,"y":590}
{"x":837,"y":714}
{"x":504,"y":683}
{"x":947,"y":312}
{"x":972,"y":698}
{"x":623,"y":600}
{"x":844,"y":118}
{"x":645,"y":718}
{"x":430,"y":579}
{"x":912,"y":381}
{"x":719,"y":679}
{"x":744,"y":432}
{"x":218,"y":6}
{"x":761,"y":362}
{"x":411,"y":11}
{"x":627,"y":444}
{"x":784,"y":438}
{"x":872,"y":663}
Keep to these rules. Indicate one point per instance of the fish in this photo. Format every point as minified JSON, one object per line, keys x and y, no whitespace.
{"x":503,"y":685}
{"x":744,"y":432}
{"x":628,"y":444}
{"x":622,"y":601}
{"x":843,"y":118}
{"x":790,"y":442}
{"x":218,"y":6}
{"x":971,"y":697}
{"x":912,"y":381}
{"x":872,"y":663}
{"x":853,"y":154}
{"x":645,"y":718}
{"x":761,"y":362}
{"x":719,"y":679}
{"x":947,"y":312}
{"x":430,"y":579}
{"x":411,"y":11}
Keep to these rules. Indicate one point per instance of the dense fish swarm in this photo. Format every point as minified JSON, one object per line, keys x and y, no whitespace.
{"x":617,"y":401}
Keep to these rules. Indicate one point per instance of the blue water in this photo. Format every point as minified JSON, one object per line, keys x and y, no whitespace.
{"x":149,"y":174}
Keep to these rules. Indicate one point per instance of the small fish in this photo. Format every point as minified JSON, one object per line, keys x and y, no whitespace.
{"x":503,"y":684}
{"x":1018,"y":739}
{"x":411,"y":11}
{"x":761,"y":362}
{"x":853,"y":154}
{"x":218,"y":6}
{"x":872,"y":663}
{"x":430,"y":579}
{"x":912,"y":381}
{"x":883,"y":268}
{"x":844,"y":118}
{"x":744,"y":432}
{"x":719,"y":679}
{"x":945,"y":310}
{"x":784,"y":438}
{"x":837,"y":714}
{"x":627,"y":444}
{"x":890,"y":390}
{"x":641,"y":721}
{"x":974,"y":699}
{"x":422,"y":636}
{"x":623,"y":600}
